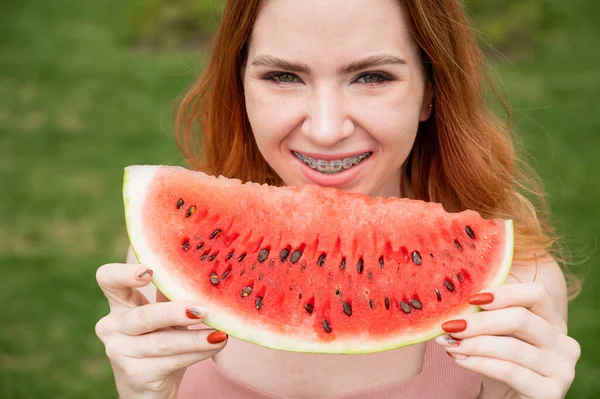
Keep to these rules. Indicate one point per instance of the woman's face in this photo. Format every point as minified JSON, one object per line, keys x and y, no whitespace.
{"x":334,"y":92}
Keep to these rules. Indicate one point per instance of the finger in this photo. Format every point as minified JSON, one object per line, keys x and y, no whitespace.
{"x":533,"y":296}
{"x":117,"y":282}
{"x":516,"y":321}
{"x":543,"y":362}
{"x":523,"y":380}
{"x":175,"y":342}
{"x":154,"y":316}
{"x":171,"y":364}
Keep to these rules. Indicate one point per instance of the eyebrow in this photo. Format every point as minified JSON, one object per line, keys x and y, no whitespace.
{"x":298,"y":67}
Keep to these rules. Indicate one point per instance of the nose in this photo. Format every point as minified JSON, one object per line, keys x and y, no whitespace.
{"x":327,"y":121}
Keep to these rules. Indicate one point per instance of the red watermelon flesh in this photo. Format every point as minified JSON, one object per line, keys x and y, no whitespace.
{"x":311,"y":269}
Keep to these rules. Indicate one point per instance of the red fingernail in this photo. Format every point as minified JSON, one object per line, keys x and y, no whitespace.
{"x":451,"y":340}
{"x":216,"y":337}
{"x":454,"y":326}
{"x":482,"y":299}
{"x":194,"y":313}
{"x":145,"y":273}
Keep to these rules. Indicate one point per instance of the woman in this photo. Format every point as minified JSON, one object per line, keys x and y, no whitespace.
{"x":293,"y":82}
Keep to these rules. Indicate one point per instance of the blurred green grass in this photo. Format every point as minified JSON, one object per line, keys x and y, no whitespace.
{"x":77,"y":104}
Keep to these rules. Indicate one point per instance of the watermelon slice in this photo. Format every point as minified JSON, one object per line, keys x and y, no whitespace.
{"x":311,"y":269}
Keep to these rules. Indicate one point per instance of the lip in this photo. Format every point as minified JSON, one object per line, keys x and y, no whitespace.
{"x":334,"y":180}
{"x":326,"y":157}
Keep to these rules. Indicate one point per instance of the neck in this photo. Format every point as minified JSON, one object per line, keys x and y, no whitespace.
{"x":292,"y":374}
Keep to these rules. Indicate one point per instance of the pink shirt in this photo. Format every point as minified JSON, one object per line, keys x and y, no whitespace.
{"x":441,"y":378}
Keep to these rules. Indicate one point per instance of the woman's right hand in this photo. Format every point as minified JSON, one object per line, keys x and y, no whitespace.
{"x":148,"y":344}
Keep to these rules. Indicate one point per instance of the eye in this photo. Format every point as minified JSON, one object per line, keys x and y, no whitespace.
{"x":286,"y":77}
{"x":281,"y":77}
{"x":374,"y":78}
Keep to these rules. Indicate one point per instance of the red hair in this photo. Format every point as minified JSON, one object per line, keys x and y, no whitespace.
{"x":464,"y":157}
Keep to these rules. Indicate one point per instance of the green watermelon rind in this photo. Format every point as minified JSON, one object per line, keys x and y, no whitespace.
{"x":136,"y":179}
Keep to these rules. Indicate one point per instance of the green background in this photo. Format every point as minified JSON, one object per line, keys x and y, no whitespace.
{"x":88,"y":87}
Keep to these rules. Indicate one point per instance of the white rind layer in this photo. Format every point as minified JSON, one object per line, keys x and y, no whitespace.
{"x":136,"y":181}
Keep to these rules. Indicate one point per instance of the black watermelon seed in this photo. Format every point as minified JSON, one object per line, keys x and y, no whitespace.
{"x":337,"y":291}
{"x":309,"y":308}
{"x":258,"y":302}
{"x":296,"y":255}
{"x":326,"y":326}
{"x":284,"y":254}
{"x":191,"y":211}
{"x":457,"y":244}
{"x":347,"y":309}
{"x":186,"y":246}
{"x":381,"y":262}
{"x":254,"y":266}
{"x":459,"y":277}
{"x":371,"y":303}
{"x":405,"y":307}
{"x":229,"y":255}
{"x":449,"y":285}
{"x":415,"y":303}
{"x":225,"y":274}
{"x":242,"y":273}
{"x":300,"y":296}
{"x":321,"y":260}
{"x":416,"y":257}
{"x":262,"y":255}
{"x":438,"y":294}
{"x":214,"y":278}
{"x":387,"y":303}
{"x":199,"y":246}
{"x":343,"y":264}
{"x":246,"y":291}
{"x":470,"y":232}
{"x":215,"y":234}
{"x":360,"y":266}
{"x":180,"y":203}
{"x":242,"y":256}
{"x":203,"y":257}
{"x":212,"y":257}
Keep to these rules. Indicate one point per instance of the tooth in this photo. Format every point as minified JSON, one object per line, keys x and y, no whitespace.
{"x":310,"y":162}
{"x":347,"y":162}
{"x":322,"y":166}
{"x":335,"y":165}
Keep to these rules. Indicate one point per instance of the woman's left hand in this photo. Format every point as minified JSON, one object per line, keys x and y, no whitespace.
{"x":519,"y":339}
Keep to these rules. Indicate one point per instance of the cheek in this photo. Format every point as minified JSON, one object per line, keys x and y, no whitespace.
{"x":272,"y":116}
{"x":391,"y":120}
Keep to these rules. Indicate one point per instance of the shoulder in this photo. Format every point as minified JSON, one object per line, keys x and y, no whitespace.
{"x":547,"y":272}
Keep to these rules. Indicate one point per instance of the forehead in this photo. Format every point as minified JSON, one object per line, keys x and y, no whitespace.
{"x":331,"y":30}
